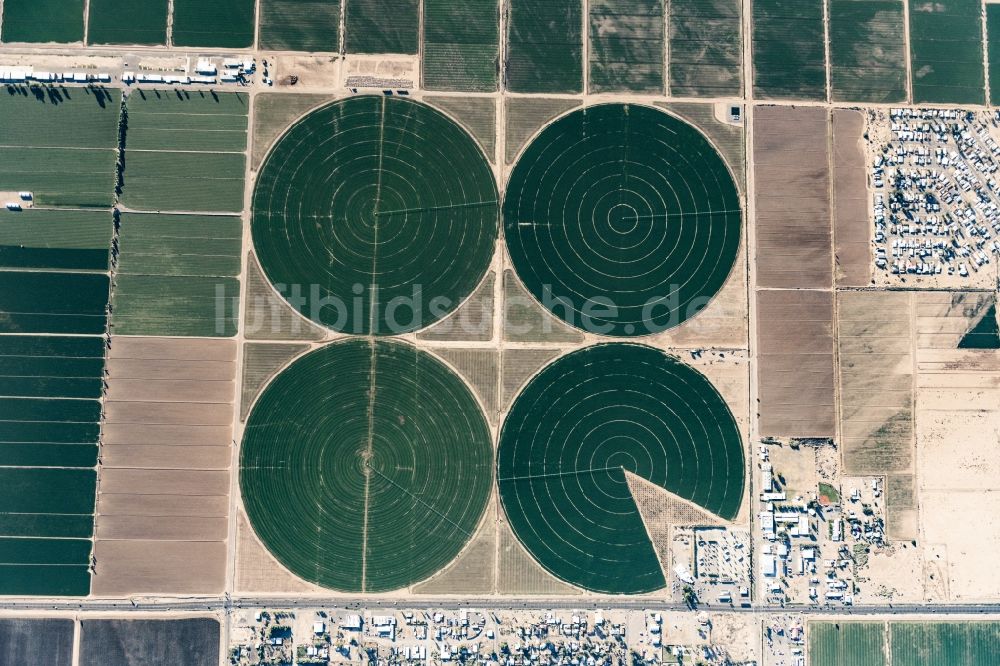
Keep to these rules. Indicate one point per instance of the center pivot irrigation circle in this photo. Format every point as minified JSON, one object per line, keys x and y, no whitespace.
{"x":375,"y":215}
{"x":622,"y":220}
{"x":366,"y":466}
{"x":585,"y":422}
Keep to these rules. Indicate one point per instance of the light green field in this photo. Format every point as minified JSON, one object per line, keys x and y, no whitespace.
{"x":185,"y":151}
{"x":936,"y":643}
{"x":170,"y":271}
{"x":60,"y":145}
{"x":847,"y":644}
{"x":461,"y":45}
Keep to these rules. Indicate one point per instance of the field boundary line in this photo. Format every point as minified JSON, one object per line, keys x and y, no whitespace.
{"x":420,"y":501}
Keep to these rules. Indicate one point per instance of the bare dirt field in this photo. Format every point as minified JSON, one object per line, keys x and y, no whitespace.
{"x":256,"y":568}
{"x":851,"y":226}
{"x":876,"y":382}
{"x":792,"y":174}
{"x":796,"y":367}
{"x":161,"y":492}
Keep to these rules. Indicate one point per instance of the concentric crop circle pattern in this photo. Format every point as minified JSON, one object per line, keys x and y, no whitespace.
{"x":366,"y":466}
{"x":375,"y":215}
{"x":579,"y":426}
{"x":627,"y":207}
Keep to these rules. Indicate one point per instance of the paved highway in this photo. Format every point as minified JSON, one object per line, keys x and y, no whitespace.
{"x":213,"y":604}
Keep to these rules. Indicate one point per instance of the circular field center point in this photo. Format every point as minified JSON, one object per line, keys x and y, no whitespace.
{"x":576,"y":433}
{"x":623,"y":220}
{"x":375,"y":215}
{"x":366,"y":466}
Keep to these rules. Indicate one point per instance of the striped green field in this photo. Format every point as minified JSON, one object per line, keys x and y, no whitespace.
{"x":58,"y":564}
{"x":705,"y":48}
{"x":170,"y":272}
{"x":60,"y":144}
{"x":461,"y":45}
{"x":788,"y":47}
{"x":946,"y":51}
{"x":626,"y":45}
{"x":127,"y":22}
{"x":847,"y":644}
{"x":56,"y":239}
{"x":300,"y":25}
{"x":933,"y":643}
{"x":220,"y":23}
{"x":381,"y":26}
{"x":545,"y":46}
{"x":867,"y":51}
{"x":185,"y":151}
{"x":42,"y":21}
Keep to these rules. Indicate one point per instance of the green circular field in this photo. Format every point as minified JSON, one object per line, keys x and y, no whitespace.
{"x":579,"y":426}
{"x":375,"y":215}
{"x":366,"y":466}
{"x":622,"y":220}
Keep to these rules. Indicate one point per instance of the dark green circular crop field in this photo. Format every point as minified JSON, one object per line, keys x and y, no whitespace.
{"x":623,"y":220}
{"x":366,"y":466}
{"x":375,"y":215}
{"x":579,"y":426}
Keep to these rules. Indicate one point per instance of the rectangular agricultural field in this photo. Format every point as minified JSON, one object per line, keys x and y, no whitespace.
{"x":993,"y":42}
{"x":56,"y":565}
{"x":38,"y":303}
{"x":300,"y":25}
{"x":220,"y":23}
{"x":788,"y":47}
{"x":792,"y":169}
{"x":796,"y":369}
{"x":60,"y":145}
{"x":169,"y":273}
{"x":191,"y":642}
{"x":461,"y":45}
{"x":198,"y":122}
{"x":127,"y":22}
{"x":51,"y":367}
{"x":851,"y":228}
{"x":196,"y":181}
{"x":933,"y":643}
{"x":185,"y":151}
{"x":946,"y":51}
{"x":545,"y":46}
{"x":42,"y":21}
{"x":36,"y":641}
{"x":867,"y":51}
{"x":381,"y":26}
{"x":626,"y":45}
{"x":56,"y":239}
{"x":705,"y":50}
{"x":847,"y":644}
